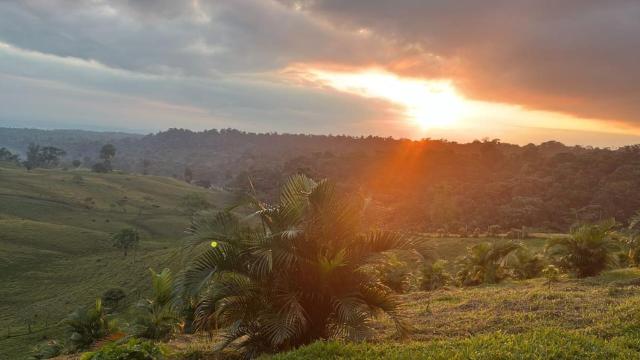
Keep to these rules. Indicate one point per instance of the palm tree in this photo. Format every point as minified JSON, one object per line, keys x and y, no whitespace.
{"x":485,"y":262}
{"x":157,"y":318}
{"x":632,"y":239}
{"x":587,"y":252}
{"x":293,"y":272}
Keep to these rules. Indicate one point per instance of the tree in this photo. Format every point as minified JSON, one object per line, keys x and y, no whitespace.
{"x":107,"y":152}
{"x":485,"y":262}
{"x":295,"y":277}
{"x":126,"y":239}
{"x":8,"y":156}
{"x":146,"y":163}
{"x":193,"y":203}
{"x":46,"y":157}
{"x":188,"y":174}
{"x":587,"y":252}
{"x":76,"y":163}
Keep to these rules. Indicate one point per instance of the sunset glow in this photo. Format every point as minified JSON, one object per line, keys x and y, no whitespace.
{"x":430,"y":104}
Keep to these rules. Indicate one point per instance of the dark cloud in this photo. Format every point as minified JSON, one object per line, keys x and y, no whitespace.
{"x":203,"y":38}
{"x":576,"y":56}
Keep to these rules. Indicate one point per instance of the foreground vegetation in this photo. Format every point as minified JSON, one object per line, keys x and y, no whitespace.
{"x":303,"y":277}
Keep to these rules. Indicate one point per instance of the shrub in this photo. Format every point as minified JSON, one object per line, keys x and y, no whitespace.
{"x":394,"y":273}
{"x":524,"y":264}
{"x":588,"y":251}
{"x":551,"y":273}
{"x":47,"y":350}
{"x":134,"y":349}
{"x":434,"y":275}
{"x":484,"y":263}
{"x":88,"y":325}
{"x":157,"y":319}
{"x":112,"y":297}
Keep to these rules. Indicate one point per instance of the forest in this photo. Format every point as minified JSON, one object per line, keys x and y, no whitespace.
{"x":436,"y":185}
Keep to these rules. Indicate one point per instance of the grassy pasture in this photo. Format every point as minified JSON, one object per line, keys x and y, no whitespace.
{"x":55,"y":248}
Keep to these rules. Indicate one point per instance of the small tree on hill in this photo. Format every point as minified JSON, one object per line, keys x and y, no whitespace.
{"x":126,"y":239}
{"x":107,"y":153}
{"x":188,"y":174}
{"x":8,"y":156}
{"x":43,"y":156}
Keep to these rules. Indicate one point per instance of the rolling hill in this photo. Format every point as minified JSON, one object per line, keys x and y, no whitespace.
{"x":55,"y":248}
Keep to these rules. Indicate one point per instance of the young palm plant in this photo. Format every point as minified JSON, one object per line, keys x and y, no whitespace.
{"x":632,"y":239}
{"x":157,"y":318}
{"x":587,"y":252}
{"x":485,"y":262}
{"x":293,"y":272}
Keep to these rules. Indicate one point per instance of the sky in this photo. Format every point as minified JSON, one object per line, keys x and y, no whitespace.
{"x":519,"y":70}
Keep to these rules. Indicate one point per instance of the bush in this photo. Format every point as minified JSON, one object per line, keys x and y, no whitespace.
{"x":134,"y":349}
{"x":434,"y":275}
{"x":112,"y":297}
{"x":395,"y":274}
{"x":588,"y":251}
{"x":485,"y":263}
{"x":47,"y":350}
{"x":493,"y":230}
{"x":88,"y":326}
{"x":157,"y":318}
{"x":524,"y":264}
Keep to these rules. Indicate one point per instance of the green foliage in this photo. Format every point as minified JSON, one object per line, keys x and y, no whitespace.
{"x":112,"y":297}
{"x":558,"y":344}
{"x":8,"y":156}
{"x":493,"y":230}
{"x":394,"y":273}
{"x":43,"y":156}
{"x":126,"y":239}
{"x":551,"y":273}
{"x":107,"y":152}
{"x":88,"y":325}
{"x":297,"y":276}
{"x":434,"y":275}
{"x":46,"y":350}
{"x":134,"y":349}
{"x":485,"y":263}
{"x":194,"y":203}
{"x":525,"y":264}
{"x":588,"y":250}
{"x":157,"y":318}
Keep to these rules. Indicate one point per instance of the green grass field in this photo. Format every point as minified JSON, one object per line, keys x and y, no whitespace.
{"x":55,"y":248}
{"x":597,"y":318}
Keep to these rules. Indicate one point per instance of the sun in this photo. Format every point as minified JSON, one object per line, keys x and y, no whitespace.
{"x":429,"y":104}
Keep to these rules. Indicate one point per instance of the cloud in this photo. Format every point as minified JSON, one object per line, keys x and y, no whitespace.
{"x":192,"y":38}
{"x":37,"y":88}
{"x":575,"y":56}
{"x":225,"y":56}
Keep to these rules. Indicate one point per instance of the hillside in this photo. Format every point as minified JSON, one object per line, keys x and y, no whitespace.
{"x":55,"y":248}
